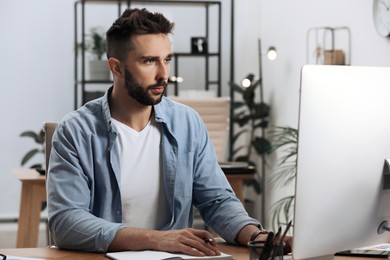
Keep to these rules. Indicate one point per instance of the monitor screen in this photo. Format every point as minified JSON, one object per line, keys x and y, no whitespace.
{"x":343,"y":144}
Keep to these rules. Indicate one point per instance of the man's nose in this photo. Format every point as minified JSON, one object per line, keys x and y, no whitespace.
{"x":163,"y":72}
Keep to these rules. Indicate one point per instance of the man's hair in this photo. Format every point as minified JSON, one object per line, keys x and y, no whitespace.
{"x":133,"y":22}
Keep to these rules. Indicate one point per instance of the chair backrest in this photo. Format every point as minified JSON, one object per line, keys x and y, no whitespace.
{"x":48,"y":128}
{"x":215,"y":114}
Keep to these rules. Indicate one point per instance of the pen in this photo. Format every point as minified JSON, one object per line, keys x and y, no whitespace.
{"x":208,"y":240}
{"x":267,"y":246}
{"x":285,"y":231}
{"x":276,"y":243}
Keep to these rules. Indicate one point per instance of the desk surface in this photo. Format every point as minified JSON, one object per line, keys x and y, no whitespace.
{"x":238,"y":253}
{"x":29,"y":175}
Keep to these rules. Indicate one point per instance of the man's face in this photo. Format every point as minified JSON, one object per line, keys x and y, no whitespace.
{"x":147,"y":68}
{"x":140,"y":93}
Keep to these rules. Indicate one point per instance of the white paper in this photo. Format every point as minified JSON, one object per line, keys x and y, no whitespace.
{"x":12,"y":257}
{"x":159,"y":255}
{"x":380,"y":247}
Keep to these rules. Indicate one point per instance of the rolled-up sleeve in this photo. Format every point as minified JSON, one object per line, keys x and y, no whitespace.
{"x":79,"y":218}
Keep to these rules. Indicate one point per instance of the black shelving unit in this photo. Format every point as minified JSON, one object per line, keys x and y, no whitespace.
{"x":81,"y":95}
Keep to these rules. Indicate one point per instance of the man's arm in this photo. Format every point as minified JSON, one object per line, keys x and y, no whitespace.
{"x":246,"y":233}
{"x":80,"y":216}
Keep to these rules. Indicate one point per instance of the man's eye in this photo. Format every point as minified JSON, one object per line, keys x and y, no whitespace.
{"x":149,"y":61}
{"x":168,"y":60}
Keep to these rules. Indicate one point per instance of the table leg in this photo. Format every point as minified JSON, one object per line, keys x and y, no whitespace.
{"x":33,"y":194}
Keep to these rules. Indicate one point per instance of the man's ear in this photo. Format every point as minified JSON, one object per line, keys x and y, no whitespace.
{"x":115,"y":67}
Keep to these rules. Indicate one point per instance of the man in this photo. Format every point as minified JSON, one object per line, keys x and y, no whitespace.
{"x":126,"y":169}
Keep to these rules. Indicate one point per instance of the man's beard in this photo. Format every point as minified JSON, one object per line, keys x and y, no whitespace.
{"x":139,"y":93}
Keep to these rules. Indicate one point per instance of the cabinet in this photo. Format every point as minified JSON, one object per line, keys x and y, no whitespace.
{"x":207,"y":51}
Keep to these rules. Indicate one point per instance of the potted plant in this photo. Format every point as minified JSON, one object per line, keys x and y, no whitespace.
{"x":95,"y":44}
{"x":39,"y":139}
{"x":251,"y":118}
{"x":284,"y":139}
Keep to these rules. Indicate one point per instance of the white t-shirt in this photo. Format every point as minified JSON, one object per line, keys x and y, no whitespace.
{"x":143,"y":201}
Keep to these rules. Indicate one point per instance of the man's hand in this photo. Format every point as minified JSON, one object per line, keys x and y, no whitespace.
{"x":288,"y":240}
{"x":188,"y":241}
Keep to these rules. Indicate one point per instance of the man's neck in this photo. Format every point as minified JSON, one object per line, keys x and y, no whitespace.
{"x":129,"y":112}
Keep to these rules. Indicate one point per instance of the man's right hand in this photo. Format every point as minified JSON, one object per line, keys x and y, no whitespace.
{"x":187,"y":241}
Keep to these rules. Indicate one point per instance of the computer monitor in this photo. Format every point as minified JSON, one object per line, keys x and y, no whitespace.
{"x":343,"y":144}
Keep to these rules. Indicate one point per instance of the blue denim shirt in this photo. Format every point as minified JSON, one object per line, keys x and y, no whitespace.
{"x":84,"y":201}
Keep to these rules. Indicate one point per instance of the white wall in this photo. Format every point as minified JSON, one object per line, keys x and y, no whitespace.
{"x":36,"y":66}
{"x":36,"y":69}
{"x":285,"y":23}
{"x":37,"y":63}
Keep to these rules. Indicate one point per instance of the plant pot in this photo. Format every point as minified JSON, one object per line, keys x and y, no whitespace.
{"x":98,"y":70}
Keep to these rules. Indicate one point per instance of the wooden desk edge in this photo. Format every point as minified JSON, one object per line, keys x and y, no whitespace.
{"x":238,"y":253}
{"x":30,"y":175}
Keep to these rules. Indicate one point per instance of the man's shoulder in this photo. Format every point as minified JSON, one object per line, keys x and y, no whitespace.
{"x":174,"y":114}
{"x":171,"y":106}
{"x":87,"y":115}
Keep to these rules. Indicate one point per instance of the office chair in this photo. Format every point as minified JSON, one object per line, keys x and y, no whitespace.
{"x":215,"y":114}
{"x":48,"y":129}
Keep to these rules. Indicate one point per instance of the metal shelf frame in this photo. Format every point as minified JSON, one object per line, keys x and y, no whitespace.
{"x":80,"y":81}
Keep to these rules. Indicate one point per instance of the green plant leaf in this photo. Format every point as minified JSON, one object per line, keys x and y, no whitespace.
{"x":236,"y":88}
{"x":262,"y":124}
{"x":237,"y":135}
{"x":262,"y":145}
{"x":39,"y":138}
{"x":285,"y":138}
{"x":249,"y":116}
{"x":238,"y":115}
{"x":256,"y":84}
{"x":243,"y":120}
{"x":249,"y":97}
{"x":237,"y":150}
{"x":37,"y":166}
{"x":29,"y":155}
{"x":238,"y":104}
{"x":282,"y":211}
{"x":285,"y":175}
{"x":262,"y":110}
{"x":95,"y":42}
{"x":255,"y":184}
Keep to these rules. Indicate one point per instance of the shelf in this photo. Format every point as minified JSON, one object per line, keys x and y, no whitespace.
{"x":195,"y":54}
{"x":212,"y":60}
{"x":170,"y":2}
{"x":95,"y":81}
{"x":154,"y":2}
